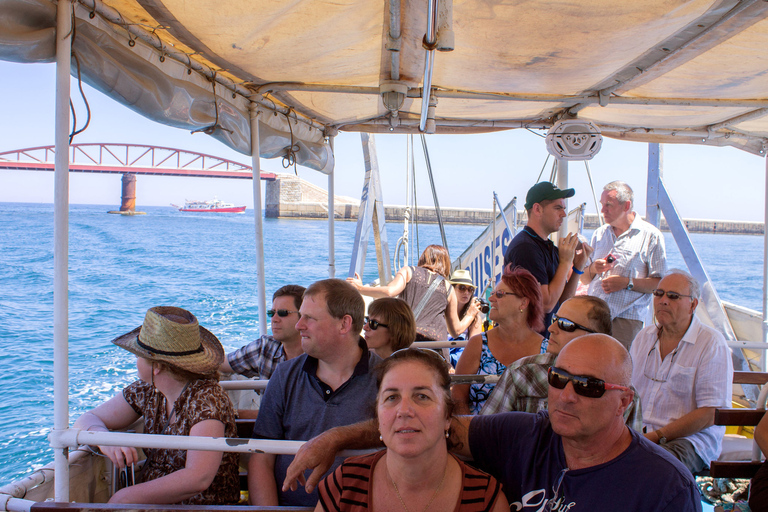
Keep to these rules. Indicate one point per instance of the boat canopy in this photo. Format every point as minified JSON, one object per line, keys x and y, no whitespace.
{"x":689,"y":71}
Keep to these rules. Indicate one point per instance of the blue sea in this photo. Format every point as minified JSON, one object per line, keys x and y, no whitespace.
{"x":121,"y":266}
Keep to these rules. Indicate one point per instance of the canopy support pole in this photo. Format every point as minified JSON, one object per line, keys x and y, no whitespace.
{"x":562,"y":184}
{"x":655,"y":171}
{"x":765,"y":272}
{"x":331,"y":217}
{"x":257,"y":221}
{"x":61,"y":249}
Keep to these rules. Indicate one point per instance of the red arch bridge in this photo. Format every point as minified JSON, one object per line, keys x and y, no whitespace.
{"x":130,"y":160}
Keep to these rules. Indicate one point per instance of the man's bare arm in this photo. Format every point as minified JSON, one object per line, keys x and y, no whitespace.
{"x":318,"y":453}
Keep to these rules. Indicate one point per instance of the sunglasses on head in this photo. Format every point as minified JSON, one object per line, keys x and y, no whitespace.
{"x":590,"y":387}
{"x":500,"y":294}
{"x":282,"y":313}
{"x":465,"y":288}
{"x":374,"y":324}
{"x":569,"y":325}
{"x":658,"y":292}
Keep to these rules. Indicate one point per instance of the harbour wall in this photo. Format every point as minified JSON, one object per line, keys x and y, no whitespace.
{"x":290,"y":197}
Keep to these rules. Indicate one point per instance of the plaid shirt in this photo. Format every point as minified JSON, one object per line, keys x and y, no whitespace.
{"x":523,"y":387}
{"x":258,"y":358}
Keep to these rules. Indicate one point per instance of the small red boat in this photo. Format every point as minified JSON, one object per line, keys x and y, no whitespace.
{"x":214,"y":206}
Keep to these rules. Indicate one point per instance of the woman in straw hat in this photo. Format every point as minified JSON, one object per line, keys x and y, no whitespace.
{"x":466,"y":303}
{"x":177,"y":394}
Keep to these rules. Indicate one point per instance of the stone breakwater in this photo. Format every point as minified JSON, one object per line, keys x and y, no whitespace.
{"x":290,"y":197}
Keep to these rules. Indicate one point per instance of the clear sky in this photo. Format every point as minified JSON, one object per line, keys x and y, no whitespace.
{"x":704,"y":182}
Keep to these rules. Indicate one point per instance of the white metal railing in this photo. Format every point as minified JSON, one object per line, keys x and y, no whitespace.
{"x":260,"y":384}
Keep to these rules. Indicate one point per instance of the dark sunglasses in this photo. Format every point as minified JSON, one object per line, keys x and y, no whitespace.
{"x":569,"y":325}
{"x":374,"y":324}
{"x":465,"y":288}
{"x":658,"y":292}
{"x":282,"y":313}
{"x":582,"y":385}
{"x":500,"y":294}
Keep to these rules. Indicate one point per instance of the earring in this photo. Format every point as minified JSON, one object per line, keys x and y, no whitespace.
{"x":447,"y":434}
{"x":381,"y":438}
{"x":521,"y":310}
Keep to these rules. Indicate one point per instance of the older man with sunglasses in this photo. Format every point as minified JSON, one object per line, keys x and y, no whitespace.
{"x":578,"y":456}
{"x":683,"y":372}
{"x":523,"y":385}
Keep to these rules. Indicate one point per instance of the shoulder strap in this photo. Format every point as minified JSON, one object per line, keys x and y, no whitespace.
{"x":423,"y":302}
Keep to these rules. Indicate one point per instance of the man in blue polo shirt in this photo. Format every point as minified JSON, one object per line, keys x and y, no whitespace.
{"x":557,"y":268}
{"x":331,"y":385}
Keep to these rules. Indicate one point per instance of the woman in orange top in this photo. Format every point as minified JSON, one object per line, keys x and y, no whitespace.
{"x":415,"y":472}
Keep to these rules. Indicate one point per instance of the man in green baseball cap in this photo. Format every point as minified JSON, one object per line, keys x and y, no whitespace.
{"x":557,"y":268}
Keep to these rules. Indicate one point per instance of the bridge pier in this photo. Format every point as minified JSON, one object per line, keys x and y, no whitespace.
{"x":128,"y":196}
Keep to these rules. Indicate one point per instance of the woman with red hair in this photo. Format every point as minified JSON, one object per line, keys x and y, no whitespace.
{"x":517,"y":311}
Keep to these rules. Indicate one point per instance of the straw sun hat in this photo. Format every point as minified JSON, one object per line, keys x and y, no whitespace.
{"x":172,"y":335}
{"x":461,"y":276}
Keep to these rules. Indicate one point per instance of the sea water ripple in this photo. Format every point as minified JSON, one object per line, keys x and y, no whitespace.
{"x":120,"y":266}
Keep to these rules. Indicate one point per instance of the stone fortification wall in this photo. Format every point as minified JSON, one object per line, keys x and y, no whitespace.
{"x":289,"y":196}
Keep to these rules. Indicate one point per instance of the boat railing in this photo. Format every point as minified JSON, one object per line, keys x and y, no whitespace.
{"x":260,"y":384}
{"x":108,"y":507}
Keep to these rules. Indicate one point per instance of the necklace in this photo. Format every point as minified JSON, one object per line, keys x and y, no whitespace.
{"x":440,"y":486}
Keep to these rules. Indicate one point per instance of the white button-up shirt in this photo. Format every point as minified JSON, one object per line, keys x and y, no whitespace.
{"x":639,"y":252}
{"x":698,"y":373}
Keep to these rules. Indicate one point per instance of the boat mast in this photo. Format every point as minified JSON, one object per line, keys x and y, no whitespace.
{"x":61,"y":250}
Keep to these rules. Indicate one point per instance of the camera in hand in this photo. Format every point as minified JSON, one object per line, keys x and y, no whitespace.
{"x":610,"y":258}
{"x":484,"y":306}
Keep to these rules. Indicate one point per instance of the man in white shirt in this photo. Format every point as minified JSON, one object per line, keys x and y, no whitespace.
{"x":629,"y":261}
{"x":683,"y":372}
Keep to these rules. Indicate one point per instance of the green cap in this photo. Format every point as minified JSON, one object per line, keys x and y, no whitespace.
{"x":545,"y":191}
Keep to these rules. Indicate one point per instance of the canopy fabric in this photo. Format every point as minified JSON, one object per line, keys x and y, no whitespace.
{"x":646,"y":70}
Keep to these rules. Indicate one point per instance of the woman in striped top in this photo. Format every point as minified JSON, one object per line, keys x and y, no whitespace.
{"x":415,"y":473}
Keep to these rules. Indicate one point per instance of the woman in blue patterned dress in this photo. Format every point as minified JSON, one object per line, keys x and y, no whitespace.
{"x":517,"y":311}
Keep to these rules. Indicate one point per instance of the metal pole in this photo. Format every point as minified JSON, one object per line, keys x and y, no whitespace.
{"x":331,"y":218}
{"x":434,"y":192}
{"x":258,"y":224}
{"x":655,"y":160}
{"x":61,"y":249}
{"x":493,"y":237}
{"x":504,"y":217}
{"x":429,"y":63}
{"x":562,"y":183}
{"x":765,"y":272}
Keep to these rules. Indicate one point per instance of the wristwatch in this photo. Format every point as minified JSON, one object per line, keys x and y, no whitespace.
{"x":631,"y":283}
{"x":662,"y":439}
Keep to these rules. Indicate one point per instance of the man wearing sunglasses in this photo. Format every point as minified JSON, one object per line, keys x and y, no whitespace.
{"x":531,"y":248}
{"x":578,"y":456}
{"x":523,"y":385}
{"x":260,"y":357}
{"x":629,"y":261}
{"x":683,"y":371}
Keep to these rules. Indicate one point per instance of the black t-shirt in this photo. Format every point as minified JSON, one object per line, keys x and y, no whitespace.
{"x":538,"y":256}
